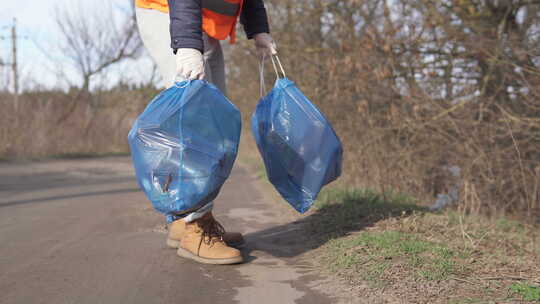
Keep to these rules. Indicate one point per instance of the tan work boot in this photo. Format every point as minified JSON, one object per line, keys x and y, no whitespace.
{"x":203,"y":242}
{"x":177,"y":230}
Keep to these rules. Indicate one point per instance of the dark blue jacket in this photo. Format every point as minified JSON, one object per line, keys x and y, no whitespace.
{"x":186,"y":22}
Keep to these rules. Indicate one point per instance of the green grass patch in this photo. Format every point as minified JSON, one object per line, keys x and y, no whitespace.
{"x":526,"y":291}
{"x":332,"y":196}
{"x":339,"y":211}
{"x":386,"y":239}
{"x":372,"y":253}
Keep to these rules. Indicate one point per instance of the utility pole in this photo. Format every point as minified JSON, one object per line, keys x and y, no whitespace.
{"x":14,"y":60}
{"x":2,"y":62}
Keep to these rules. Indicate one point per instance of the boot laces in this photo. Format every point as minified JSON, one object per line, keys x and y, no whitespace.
{"x":212,"y":230}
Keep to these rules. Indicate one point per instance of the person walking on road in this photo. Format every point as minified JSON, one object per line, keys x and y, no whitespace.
{"x":183,"y":37}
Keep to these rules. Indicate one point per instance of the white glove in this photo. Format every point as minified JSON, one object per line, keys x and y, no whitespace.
{"x":189,"y":64}
{"x":265,"y":45}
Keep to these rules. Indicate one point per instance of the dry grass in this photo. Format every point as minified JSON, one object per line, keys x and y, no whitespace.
{"x":407,"y":255}
{"x":55,"y":123}
{"x":387,"y":101}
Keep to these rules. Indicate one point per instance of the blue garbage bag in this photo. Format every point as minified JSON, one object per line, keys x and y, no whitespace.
{"x":301,"y":151}
{"x":184,"y":146}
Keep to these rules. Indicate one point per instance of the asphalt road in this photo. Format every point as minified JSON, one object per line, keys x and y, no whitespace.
{"x":80,"y":231}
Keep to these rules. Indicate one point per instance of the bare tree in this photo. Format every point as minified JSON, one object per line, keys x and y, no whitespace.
{"x":94,"y":40}
{"x":416,"y":87}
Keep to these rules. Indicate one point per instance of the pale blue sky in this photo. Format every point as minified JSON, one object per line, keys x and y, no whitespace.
{"x":36,"y":27}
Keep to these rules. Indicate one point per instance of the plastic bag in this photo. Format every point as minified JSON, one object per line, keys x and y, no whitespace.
{"x":301,"y":151}
{"x":184,"y":146}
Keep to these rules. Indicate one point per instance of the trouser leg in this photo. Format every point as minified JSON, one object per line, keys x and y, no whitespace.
{"x":214,"y":63}
{"x":154,"y":32}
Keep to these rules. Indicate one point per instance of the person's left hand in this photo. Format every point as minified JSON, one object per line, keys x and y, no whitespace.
{"x":265,"y":45}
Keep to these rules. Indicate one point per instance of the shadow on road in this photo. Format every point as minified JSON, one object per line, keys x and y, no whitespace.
{"x":67,"y":196}
{"x":330,"y":221}
{"x":52,"y":180}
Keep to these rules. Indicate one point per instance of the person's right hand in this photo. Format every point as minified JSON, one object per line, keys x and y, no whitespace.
{"x":189,"y":64}
{"x":266,"y":47}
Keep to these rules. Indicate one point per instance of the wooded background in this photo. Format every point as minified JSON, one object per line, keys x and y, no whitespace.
{"x":415,"y":86}
{"x":412,"y":87}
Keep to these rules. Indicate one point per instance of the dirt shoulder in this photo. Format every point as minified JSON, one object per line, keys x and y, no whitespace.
{"x":395,"y":251}
{"x":389,"y":249}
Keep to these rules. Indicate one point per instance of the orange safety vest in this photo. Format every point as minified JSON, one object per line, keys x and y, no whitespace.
{"x":219,"y":17}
